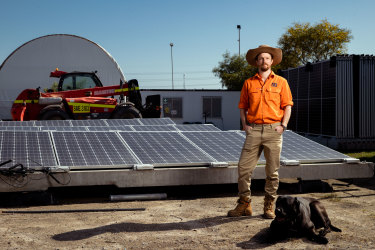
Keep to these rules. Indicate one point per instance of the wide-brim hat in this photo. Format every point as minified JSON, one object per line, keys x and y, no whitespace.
{"x":276,"y":53}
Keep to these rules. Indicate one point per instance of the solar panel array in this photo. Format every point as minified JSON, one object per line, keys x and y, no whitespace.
{"x":125,"y":143}
{"x":27,"y":147}
{"x":91,"y":149}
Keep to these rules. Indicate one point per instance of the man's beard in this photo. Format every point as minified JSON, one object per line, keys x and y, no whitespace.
{"x":264,"y":67}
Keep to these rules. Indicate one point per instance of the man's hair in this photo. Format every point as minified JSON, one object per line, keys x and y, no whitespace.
{"x":256,"y":58}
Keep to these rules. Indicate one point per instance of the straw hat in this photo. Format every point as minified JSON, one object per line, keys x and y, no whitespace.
{"x":275,"y":52}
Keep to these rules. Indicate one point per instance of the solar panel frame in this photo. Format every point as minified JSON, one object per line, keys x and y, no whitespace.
{"x":162,"y":149}
{"x":297,"y":147}
{"x":223,"y":146}
{"x":53,"y":123}
{"x":85,"y":150}
{"x":30,"y":148}
{"x":19,"y":128}
{"x":88,"y":123}
{"x":111,"y":128}
{"x":61,"y":128}
{"x":157,"y":121}
{"x":123,"y":122}
{"x":17,"y":123}
{"x":307,"y":151}
{"x":155,"y":128}
{"x":196,"y":127}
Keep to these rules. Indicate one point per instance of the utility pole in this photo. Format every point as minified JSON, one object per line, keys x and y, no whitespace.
{"x":171,"y":44}
{"x":239,"y":39}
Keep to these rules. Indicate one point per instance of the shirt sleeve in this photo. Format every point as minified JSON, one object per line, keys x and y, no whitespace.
{"x":244,"y":98}
{"x":286,"y":96}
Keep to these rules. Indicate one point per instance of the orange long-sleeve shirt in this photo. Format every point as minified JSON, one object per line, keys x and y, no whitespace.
{"x":265,"y":101}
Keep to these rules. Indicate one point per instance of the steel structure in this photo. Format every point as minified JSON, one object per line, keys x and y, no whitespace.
{"x":334,"y":101}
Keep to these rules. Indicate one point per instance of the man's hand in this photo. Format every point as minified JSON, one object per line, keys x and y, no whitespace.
{"x":279,"y":129}
{"x":248,"y":128}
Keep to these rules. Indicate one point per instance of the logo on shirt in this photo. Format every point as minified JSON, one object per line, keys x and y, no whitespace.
{"x":274,"y":84}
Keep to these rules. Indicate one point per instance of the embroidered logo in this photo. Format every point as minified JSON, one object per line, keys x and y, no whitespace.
{"x":274,"y":84}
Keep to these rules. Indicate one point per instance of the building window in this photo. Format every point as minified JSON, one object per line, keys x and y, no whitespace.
{"x":172,"y":107}
{"x":212,"y":106}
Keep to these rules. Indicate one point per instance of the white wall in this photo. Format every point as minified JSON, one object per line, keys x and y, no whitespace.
{"x":192,"y":104}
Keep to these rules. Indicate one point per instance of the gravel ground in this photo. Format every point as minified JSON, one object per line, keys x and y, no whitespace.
{"x":190,"y":218}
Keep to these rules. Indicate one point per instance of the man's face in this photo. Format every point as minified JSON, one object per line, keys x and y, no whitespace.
{"x":264,"y":61}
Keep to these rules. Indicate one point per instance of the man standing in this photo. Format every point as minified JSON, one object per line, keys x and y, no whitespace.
{"x":265,"y":108}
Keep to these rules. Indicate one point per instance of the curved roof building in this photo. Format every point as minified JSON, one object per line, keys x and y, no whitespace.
{"x":30,"y":64}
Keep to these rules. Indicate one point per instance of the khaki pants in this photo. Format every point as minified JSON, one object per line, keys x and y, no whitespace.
{"x":262,"y":137}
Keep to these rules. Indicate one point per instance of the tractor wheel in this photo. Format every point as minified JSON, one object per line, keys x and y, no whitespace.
{"x":127,"y":112}
{"x":55,"y":115}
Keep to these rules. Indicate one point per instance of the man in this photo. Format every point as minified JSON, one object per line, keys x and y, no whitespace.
{"x":265,"y":108}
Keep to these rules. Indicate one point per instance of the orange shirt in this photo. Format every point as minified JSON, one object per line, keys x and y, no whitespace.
{"x":265,"y":101}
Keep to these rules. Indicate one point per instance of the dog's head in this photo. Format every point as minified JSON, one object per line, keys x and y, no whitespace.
{"x":287,"y":208}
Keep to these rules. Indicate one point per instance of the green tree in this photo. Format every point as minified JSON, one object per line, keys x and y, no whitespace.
{"x":303,"y":43}
{"x":233,"y":71}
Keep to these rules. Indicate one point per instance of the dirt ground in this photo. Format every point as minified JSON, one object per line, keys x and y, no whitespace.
{"x":190,"y":218}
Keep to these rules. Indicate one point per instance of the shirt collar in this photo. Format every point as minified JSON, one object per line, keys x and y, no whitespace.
{"x":272,"y":75}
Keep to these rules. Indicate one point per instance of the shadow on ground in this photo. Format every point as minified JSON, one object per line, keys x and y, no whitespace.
{"x":130,"y":227}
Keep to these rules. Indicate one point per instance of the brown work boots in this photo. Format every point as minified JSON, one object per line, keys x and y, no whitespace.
{"x":243,"y":208}
{"x":269,"y":212}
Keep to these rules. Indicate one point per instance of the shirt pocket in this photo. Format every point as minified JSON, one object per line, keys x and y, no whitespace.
{"x":273,"y":96}
{"x":254,"y":95}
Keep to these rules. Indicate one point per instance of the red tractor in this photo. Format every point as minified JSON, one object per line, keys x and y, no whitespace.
{"x":81,"y":95}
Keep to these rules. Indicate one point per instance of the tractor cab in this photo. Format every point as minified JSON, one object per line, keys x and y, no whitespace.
{"x":76,"y":80}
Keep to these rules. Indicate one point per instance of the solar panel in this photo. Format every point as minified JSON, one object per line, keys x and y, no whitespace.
{"x":109,"y":128}
{"x":297,"y":147}
{"x":19,"y":128}
{"x":223,"y":146}
{"x":53,"y":123}
{"x":61,"y":128}
{"x":164,"y":148}
{"x":196,"y":127}
{"x":101,"y":149}
{"x":123,"y":122}
{"x":157,"y":121}
{"x":87,"y":123}
{"x":28,"y":148}
{"x":17,"y":123}
{"x":154,"y":128}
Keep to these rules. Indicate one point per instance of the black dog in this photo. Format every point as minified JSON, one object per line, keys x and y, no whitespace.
{"x":298,"y":217}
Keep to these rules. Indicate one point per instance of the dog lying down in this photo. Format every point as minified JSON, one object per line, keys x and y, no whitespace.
{"x":299,"y":217}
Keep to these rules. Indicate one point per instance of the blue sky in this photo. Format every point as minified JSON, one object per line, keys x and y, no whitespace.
{"x":138,"y":33}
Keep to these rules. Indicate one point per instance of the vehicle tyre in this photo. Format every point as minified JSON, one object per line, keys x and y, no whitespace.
{"x":55,"y":114}
{"x":127,"y":112}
